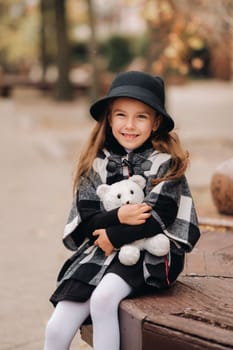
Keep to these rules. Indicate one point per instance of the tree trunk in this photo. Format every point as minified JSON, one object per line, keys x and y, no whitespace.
{"x":63,"y":88}
{"x":93,"y":55}
{"x":221,"y":57}
{"x":43,"y":43}
{"x":47,"y":36}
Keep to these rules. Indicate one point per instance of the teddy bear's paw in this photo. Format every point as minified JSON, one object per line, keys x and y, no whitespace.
{"x":158,"y":245}
{"x":129,"y":255}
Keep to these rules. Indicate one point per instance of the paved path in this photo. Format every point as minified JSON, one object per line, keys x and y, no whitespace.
{"x":38,"y":143}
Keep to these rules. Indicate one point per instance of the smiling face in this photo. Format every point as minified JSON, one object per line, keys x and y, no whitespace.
{"x":132,"y":122}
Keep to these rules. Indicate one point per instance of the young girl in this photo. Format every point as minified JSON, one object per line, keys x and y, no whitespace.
{"x":132,"y":136}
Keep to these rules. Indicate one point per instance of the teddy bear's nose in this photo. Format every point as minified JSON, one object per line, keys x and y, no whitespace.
{"x":128,"y":202}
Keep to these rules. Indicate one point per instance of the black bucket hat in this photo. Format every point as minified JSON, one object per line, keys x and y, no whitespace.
{"x":140,"y":86}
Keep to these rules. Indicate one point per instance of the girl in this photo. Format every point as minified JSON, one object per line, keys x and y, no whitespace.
{"x":132,"y":136}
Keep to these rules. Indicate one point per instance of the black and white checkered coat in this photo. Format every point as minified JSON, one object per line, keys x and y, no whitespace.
{"x":109,"y":167}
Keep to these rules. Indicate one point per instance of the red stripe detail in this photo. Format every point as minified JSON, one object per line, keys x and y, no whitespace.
{"x":167,"y":269}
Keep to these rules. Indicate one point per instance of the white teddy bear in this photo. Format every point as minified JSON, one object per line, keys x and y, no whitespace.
{"x":130,"y":191}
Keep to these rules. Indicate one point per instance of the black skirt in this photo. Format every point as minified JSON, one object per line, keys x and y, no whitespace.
{"x":76,"y":290}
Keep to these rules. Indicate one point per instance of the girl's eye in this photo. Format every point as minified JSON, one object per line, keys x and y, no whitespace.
{"x":119,"y":196}
{"x":142,"y":116}
{"x":131,"y":192}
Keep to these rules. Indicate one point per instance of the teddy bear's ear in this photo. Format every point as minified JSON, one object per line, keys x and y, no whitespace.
{"x":102,"y":190}
{"x":139,"y":180}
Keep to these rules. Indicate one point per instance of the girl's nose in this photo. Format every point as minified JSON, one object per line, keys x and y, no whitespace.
{"x":129,"y":123}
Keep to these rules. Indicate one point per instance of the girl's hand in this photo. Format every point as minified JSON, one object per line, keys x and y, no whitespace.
{"x":103,"y":242}
{"x":134,"y":214}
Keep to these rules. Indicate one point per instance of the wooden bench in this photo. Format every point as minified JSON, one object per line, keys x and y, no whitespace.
{"x":195,"y":314}
{"x":10,"y":81}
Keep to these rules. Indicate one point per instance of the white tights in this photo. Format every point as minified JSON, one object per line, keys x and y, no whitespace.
{"x":68,"y":316}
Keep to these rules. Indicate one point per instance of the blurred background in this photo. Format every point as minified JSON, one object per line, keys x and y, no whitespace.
{"x":56,"y":57}
{"x":79,"y":44}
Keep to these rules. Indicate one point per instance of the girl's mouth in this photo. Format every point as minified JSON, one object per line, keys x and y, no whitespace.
{"x":129,"y":136}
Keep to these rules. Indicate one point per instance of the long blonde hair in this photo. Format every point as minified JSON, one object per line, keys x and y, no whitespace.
{"x":170,"y":143}
{"x":164,"y":143}
{"x":88,"y":154}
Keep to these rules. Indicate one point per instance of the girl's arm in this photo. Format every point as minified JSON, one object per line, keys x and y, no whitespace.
{"x":93,"y":217}
{"x":131,"y":215}
{"x":123,"y":234}
{"x":164,"y":205}
{"x":164,"y":202}
{"x":94,"y":222}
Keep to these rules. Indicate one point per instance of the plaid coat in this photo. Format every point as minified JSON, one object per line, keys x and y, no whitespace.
{"x":89,"y":262}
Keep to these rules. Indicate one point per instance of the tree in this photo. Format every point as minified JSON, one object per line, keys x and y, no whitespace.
{"x":215,"y":22}
{"x":160,"y":16}
{"x":63,"y":87}
{"x":93,"y":49}
{"x":190,"y":37}
{"x":47,"y":51}
{"x":19,"y":24}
